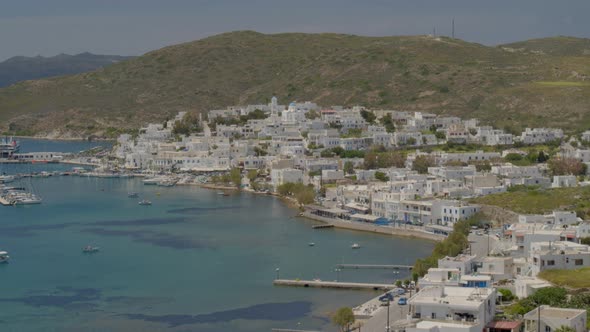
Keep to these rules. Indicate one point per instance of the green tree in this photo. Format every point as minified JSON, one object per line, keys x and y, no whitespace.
{"x":387,"y":122}
{"x":348,"y":167}
{"x":343,"y":318}
{"x":370,"y":160}
{"x":440,"y":135}
{"x":585,"y":240}
{"x":506,"y":294}
{"x":565,"y":328}
{"x":542,"y":157}
{"x":368,"y":116}
{"x":252,"y":175}
{"x":313,"y":114}
{"x":381,"y":176}
{"x":235,"y":176}
{"x":421,"y":163}
{"x":398,"y":283}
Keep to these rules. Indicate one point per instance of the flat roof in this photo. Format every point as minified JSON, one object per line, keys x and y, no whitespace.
{"x":551,"y":312}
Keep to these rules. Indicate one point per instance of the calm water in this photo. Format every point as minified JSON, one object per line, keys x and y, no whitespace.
{"x":193,"y":261}
{"x":37,"y":145}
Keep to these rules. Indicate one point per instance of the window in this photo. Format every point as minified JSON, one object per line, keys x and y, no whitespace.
{"x":579,"y":262}
{"x":547,"y":328}
{"x":550,"y":263}
{"x":433,"y":315}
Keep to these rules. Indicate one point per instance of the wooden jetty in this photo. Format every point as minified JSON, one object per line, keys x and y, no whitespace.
{"x":322,"y":226}
{"x":374,"y":266}
{"x":332,"y":284}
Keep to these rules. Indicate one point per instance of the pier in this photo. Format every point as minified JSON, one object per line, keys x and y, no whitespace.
{"x":322,"y":226}
{"x":374,"y":266}
{"x":291,"y":330}
{"x":332,"y":284}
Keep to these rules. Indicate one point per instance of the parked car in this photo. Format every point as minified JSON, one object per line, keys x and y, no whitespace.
{"x":402,"y":301}
{"x":399,"y":291}
{"x":386,"y":297}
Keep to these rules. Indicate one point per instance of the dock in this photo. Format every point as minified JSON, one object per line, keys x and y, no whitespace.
{"x":332,"y":284}
{"x":374,"y":266}
{"x":322,"y":226}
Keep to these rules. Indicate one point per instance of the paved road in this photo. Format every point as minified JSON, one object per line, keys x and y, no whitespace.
{"x":482,"y":244}
{"x":378,"y":322}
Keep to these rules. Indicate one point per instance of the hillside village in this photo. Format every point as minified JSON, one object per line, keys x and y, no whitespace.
{"x":404,"y":173}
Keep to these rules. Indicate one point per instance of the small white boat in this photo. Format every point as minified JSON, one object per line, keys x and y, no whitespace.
{"x":133,"y":195}
{"x":145,"y":202}
{"x":356,"y":246}
{"x":6,"y":178}
{"x":90,"y":249}
{"x":4,"y":257}
{"x":311,"y":244}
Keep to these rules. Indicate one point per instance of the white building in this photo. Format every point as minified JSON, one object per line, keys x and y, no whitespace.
{"x":540,"y":135}
{"x":465,"y":308}
{"x":463,"y":263}
{"x":285,"y":175}
{"x":552,"y":319}
{"x":562,"y":255}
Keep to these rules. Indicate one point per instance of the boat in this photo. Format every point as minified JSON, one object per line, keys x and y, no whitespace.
{"x":90,"y":249}
{"x":8,"y":147}
{"x":221,"y":193}
{"x":4,"y":257}
{"x":311,"y":244}
{"x":145,"y":202}
{"x":133,"y":195}
{"x":31,"y":200}
{"x":152,"y":181}
{"x":356,"y":246}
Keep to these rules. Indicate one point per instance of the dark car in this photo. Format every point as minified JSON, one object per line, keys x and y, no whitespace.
{"x":386,"y":297}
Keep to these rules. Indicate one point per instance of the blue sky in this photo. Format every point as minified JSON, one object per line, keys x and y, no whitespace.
{"x":133,"y":27}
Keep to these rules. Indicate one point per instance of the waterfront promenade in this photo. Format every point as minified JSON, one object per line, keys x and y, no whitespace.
{"x":405,"y":230}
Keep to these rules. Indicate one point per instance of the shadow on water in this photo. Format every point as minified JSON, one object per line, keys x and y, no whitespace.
{"x":266,"y":311}
{"x":198,"y":210}
{"x":160,"y":239}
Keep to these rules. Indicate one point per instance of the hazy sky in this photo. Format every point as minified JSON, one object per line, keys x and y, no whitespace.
{"x":133,"y":27}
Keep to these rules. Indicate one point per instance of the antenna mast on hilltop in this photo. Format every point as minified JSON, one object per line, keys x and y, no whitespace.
{"x":453,"y":30}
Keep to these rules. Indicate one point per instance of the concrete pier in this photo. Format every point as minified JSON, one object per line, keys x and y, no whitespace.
{"x":332,"y":284}
{"x":374,"y":266}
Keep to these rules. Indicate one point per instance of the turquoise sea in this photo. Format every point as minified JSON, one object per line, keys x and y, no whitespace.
{"x":193,"y":261}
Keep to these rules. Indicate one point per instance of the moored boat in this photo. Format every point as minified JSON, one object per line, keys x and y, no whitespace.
{"x":145,"y":202}
{"x":4,"y":257}
{"x":90,"y":249}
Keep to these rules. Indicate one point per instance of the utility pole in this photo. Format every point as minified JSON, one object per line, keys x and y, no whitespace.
{"x":539,"y":318}
{"x":453,"y":30}
{"x":387,"y":328}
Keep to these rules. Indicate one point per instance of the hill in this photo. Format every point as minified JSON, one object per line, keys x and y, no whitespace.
{"x":441,"y":75}
{"x":561,"y":46}
{"x":21,"y":68}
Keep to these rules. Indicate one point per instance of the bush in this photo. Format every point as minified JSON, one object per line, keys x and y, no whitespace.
{"x":506,"y":294}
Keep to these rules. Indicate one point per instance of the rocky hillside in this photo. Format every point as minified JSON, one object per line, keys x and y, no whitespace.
{"x":501,"y":86}
{"x":21,"y":68}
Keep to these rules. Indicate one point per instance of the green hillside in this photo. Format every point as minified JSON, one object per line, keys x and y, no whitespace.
{"x":560,"y":46}
{"x":445,"y":76}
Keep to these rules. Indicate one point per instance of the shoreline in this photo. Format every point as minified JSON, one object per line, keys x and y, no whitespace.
{"x":71,"y":139}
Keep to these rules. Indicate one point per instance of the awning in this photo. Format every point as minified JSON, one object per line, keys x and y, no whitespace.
{"x":365,"y":217}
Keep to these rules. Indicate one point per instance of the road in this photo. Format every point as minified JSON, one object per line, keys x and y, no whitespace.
{"x":482,"y":244}
{"x":378,"y":322}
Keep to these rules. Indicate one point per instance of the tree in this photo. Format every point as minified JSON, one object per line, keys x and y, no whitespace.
{"x":440,"y":135}
{"x":387,"y":122}
{"x":421,"y":163}
{"x":348,"y":167}
{"x":312,"y":115}
{"x":369,"y":117}
{"x":235,"y":176}
{"x":506,"y":294}
{"x":370,"y":160}
{"x":398,"y":283}
{"x":585,"y":240}
{"x":343,"y":318}
{"x":566,"y":166}
{"x":564,"y":328}
{"x":542,"y":157}
{"x":252,"y":175}
{"x":189,"y":123}
{"x":381,"y":176}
